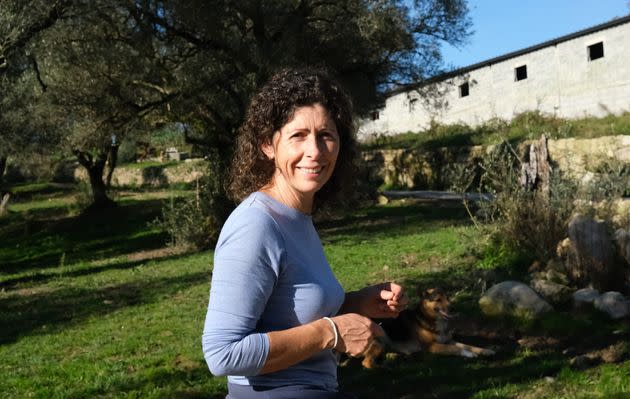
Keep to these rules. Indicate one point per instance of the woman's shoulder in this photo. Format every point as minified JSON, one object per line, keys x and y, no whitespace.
{"x":254,"y":210}
{"x":251,"y":218}
{"x":250,"y":228}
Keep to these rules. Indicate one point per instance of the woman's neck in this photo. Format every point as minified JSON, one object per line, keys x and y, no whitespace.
{"x":289,"y":198}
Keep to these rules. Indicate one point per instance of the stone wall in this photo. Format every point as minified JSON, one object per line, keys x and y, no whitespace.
{"x":422,"y":169}
{"x":152,"y":176}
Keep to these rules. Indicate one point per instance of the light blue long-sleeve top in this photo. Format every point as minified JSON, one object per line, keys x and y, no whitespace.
{"x":270,"y":273}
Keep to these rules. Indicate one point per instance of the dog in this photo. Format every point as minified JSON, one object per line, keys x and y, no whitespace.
{"x":423,"y":328}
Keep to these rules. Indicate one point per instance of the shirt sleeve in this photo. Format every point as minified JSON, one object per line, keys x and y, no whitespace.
{"x":246,"y":268}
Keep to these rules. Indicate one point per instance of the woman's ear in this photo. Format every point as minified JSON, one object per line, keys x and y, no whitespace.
{"x":268,"y":150}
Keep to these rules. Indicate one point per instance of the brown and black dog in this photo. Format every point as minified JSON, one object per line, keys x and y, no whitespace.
{"x":423,"y":328}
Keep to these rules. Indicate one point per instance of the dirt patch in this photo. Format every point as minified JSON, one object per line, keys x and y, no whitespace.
{"x":26,"y":292}
{"x":155,"y":253}
{"x":539,"y":343}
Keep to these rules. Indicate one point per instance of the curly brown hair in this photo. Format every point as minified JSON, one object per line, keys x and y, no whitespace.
{"x":273,"y":107}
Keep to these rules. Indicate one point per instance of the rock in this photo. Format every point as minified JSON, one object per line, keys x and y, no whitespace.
{"x":382,"y":200}
{"x":563,"y":248}
{"x":615,"y":353}
{"x":594,"y":253}
{"x":556,"y":271}
{"x":513,"y":298}
{"x":622,"y":240}
{"x":584,"y":361}
{"x":551,"y":291}
{"x":585,"y":298}
{"x":534,"y":267}
{"x":613,"y":303}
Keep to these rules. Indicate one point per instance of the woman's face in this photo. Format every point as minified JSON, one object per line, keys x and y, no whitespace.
{"x":304,"y":151}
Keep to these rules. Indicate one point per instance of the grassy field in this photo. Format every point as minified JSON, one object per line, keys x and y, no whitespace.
{"x":96,"y":306}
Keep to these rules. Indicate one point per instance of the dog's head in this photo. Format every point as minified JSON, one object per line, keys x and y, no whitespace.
{"x":434,"y":304}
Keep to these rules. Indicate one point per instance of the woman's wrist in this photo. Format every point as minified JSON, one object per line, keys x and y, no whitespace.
{"x":329,"y":333}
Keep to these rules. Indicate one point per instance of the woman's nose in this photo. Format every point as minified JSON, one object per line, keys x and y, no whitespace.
{"x":313,"y":149}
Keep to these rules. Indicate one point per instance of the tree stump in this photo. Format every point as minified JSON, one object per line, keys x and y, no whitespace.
{"x":536,"y":172}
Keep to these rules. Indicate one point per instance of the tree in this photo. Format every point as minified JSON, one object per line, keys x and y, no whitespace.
{"x":109,"y":67}
{"x":102,"y":80}
{"x":20,"y":82}
{"x":226,"y":49}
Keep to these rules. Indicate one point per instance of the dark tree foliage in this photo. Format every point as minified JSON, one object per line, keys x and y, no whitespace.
{"x":21,"y":22}
{"x":109,"y":68}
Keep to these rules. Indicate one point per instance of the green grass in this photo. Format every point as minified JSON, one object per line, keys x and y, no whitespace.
{"x":94,"y":306}
{"x":526,"y":126}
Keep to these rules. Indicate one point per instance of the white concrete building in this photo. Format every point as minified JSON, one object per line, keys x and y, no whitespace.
{"x":584,"y":73}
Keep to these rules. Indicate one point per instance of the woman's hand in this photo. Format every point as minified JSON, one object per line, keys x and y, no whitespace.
{"x":356,"y":333}
{"x":379,"y":301}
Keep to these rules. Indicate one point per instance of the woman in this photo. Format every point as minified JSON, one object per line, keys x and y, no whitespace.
{"x":276,"y":311}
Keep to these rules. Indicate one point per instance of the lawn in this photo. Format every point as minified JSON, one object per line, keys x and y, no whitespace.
{"x":96,"y":306}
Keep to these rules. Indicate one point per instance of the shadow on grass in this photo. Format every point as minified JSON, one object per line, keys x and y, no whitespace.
{"x":109,"y":233}
{"x":394,"y":221}
{"x":434,"y":376}
{"x":190,"y":383}
{"x":51,"y":311}
{"x":44,"y":276}
{"x":25,"y":192}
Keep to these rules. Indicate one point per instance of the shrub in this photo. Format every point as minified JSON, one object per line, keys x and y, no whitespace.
{"x":195,"y":222}
{"x":531,"y":222}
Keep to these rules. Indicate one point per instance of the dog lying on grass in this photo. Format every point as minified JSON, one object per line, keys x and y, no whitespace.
{"x":423,"y":328}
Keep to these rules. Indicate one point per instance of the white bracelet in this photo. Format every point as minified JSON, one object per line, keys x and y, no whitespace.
{"x":334,"y":328}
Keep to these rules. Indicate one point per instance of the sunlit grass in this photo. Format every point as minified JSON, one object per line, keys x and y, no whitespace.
{"x":95,"y":306}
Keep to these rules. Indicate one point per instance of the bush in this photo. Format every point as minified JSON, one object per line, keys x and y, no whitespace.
{"x":183,"y":220}
{"x":195,"y":222}
{"x":529,"y":221}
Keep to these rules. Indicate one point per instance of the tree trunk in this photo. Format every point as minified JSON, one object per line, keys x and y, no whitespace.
{"x":95,"y":168}
{"x":536,"y":173}
{"x":112,"y":160}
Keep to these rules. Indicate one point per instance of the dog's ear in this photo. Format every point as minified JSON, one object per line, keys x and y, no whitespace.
{"x":427,"y":293}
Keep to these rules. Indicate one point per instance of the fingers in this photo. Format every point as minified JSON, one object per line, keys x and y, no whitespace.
{"x":394,"y":297}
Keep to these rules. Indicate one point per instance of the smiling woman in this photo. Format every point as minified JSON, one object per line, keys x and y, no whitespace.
{"x":275,"y":106}
{"x":304,"y":151}
{"x":277,"y":314}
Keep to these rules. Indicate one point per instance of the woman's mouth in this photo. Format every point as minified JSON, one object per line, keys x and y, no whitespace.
{"x":310,"y":171}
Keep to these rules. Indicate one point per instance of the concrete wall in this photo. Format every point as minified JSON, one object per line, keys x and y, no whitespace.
{"x":560,"y":81}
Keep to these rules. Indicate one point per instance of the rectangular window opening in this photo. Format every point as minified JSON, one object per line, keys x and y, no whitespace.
{"x":375,"y":115}
{"x":412,"y":104}
{"x":464,"y":90}
{"x":520,"y":73}
{"x":595,"y":51}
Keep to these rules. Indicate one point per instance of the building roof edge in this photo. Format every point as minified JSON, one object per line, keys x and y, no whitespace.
{"x":553,"y":42}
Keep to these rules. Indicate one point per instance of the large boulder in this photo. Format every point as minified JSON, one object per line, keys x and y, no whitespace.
{"x":593,"y":254}
{"x":585,"y":298}
{"x":622,"y":240}
{"x":613,"y":303}
{"x":551,"y":291}
{"x":513,"y":298}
